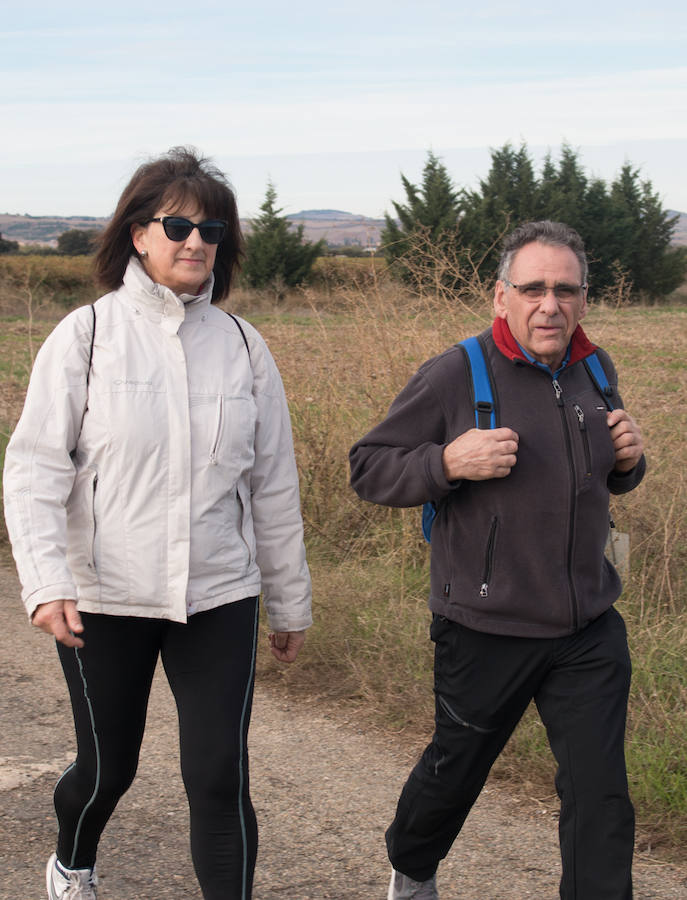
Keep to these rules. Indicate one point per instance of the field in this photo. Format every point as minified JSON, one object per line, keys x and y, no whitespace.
{"x":345,"y":347}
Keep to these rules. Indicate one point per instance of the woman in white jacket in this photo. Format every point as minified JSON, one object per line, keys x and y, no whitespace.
{"x":151,"y":495}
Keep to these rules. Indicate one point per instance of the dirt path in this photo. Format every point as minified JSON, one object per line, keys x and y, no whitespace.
{"x":323,"y":790}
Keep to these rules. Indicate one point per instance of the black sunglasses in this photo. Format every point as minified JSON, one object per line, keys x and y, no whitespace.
{"x":178,"y":229}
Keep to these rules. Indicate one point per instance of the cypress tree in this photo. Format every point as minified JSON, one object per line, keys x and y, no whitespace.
{"x":430,"y":212}
{"x":277,"y":255}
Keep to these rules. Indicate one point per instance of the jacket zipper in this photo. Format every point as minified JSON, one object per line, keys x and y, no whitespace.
{"x":488,"y":559}
{"x":585,"y":440}
{"x":568,"y":446}
{"x":95,"y":521}
{"x":218,"y":429}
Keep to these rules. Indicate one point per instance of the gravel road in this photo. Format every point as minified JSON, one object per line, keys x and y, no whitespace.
{"x":323,"y":787}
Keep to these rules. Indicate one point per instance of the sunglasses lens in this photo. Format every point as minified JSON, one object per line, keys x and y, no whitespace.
{"x":176,"y":228}
{"x":212,"y":231}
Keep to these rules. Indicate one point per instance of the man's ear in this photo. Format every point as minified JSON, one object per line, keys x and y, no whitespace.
{"x":500,"y":308}
{"x":583,"y":308}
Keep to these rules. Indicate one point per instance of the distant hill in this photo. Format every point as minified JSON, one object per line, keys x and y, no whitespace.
{"x":680,"y":233}
{"x":44,"y":229}
{"x":338,"y":228}
{"x":334,"y":215}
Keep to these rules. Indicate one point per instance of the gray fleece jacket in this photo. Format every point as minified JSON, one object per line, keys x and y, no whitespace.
{"x":521,"y":555}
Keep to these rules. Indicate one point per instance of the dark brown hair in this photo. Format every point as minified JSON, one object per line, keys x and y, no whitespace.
{"x":178,"y":177}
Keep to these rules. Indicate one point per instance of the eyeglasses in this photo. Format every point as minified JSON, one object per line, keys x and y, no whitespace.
{"x":537,"y":290}
{"x":178,"y":229}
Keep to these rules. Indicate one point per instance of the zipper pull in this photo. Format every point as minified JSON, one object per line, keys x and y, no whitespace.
{"x":558,"y":391}
{"x":580,"y":417}
{"x":484,"y":590}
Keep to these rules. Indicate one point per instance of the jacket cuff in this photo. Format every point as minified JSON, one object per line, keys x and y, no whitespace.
{"x":622,"y":482}
{"x":435,"y":468}
{"x":62,"y":590}
{"x":281,"y":623}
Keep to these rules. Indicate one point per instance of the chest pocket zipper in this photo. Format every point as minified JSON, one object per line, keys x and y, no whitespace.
{"x":489,"y":559}
{"x":585,"y":440}
{"x":219,"y":420}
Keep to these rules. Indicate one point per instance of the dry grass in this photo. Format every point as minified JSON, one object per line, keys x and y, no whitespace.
{"x":370,"y":642}
{"x":345,"y":349}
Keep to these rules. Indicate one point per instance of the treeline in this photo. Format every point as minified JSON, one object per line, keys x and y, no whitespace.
{"x":446,"y":235}
{"x":74,"y":242}
{"x":626,"y":231}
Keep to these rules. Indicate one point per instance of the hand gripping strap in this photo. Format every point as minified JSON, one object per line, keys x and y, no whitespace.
{"x":485,"y":411}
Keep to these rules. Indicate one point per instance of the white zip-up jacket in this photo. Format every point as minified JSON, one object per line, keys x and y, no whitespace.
{"x":159,"y":480}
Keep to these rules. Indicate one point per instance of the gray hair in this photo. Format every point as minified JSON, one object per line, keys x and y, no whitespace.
{"x":554,"y":234}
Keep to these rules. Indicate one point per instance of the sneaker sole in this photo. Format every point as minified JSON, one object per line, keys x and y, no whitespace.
{"x":48,"y":876}
{"x":391,"y":894}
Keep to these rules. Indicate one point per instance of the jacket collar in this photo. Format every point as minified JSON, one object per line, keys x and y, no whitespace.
{"x":159,"y":303}
{"x":579,"y":348}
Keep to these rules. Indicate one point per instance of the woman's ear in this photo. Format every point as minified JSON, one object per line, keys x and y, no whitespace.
{"x":138,"y":236}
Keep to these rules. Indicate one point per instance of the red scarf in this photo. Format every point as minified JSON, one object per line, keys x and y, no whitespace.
{"x":503,"y":337}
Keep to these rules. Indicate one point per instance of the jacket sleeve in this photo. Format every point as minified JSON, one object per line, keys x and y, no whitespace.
{"x":275,"y":501}
{"x":623,"y":482}
{"x":399,"y":462}
{"x":39,"y":471}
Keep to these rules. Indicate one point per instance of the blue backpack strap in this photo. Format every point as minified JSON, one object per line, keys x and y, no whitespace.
{"x":485,"y":411}
{"x":429,"y":512}
{"x":596,"y":372}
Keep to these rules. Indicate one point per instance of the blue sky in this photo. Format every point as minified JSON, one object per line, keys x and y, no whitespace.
{"x":333,"y":102}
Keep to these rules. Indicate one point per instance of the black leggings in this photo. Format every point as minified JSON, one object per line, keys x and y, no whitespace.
{"x":210,"y":666}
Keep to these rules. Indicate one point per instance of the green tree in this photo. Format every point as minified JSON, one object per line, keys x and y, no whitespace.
{"x":566,"y":194}
{"x":277,"y":255}
{"x":547,"y":190}
{"x":571,"y":189}
{"x":626,"y":231}
{"x":429,"y":214}
{"x":76,"y":242}
{"x":8,"y":246}
{"x":507,"y":195}
{"x":596,"y":227}
{"x":641,"y":235}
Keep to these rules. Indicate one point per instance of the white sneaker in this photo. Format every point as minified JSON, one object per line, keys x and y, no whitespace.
{"x":69,"y":884}
{"x":403,"y":888}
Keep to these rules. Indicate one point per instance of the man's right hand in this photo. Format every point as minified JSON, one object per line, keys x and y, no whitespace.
{"x":480,"y":454}
{"x":60,"y":618}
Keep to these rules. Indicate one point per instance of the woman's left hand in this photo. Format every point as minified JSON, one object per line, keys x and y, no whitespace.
{"x":285,"y":645}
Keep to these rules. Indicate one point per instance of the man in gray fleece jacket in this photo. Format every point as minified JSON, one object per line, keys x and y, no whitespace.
{"x":521,"y":592}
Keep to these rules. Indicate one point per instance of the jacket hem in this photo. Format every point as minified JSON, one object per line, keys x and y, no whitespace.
{"x":489,"y":624}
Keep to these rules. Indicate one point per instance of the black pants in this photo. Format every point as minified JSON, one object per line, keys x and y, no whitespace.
{"x":210,"y":666}
{"x":483,"y":685}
